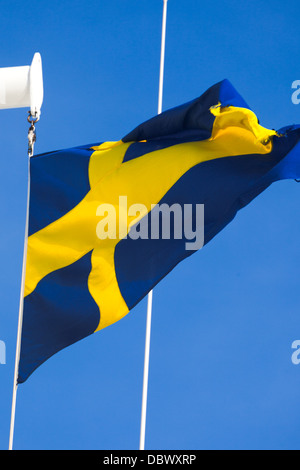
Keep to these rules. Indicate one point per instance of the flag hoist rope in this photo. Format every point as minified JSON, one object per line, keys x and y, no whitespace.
{"x":31,"y":141}
{"x":150,"y":295}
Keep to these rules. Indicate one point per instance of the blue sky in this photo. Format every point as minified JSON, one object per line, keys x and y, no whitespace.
{"x":221,"y":375}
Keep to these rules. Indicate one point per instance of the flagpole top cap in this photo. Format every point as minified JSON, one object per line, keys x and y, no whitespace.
{"x":36,"y":85}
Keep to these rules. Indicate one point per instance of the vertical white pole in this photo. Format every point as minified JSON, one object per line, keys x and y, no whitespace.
{"x":146,"y":372}
{"x":150,"y":295}
{"x":20,"y":321}
{"x":162,"y":58}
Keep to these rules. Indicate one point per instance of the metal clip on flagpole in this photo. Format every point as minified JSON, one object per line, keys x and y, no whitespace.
{"x":22,"y":87}
{"x":150,"y":295}
{"x":31,"y":133}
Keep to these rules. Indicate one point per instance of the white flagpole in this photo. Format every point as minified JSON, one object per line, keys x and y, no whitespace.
{"x":31,"y":140}
{"x":150,"y":295}
{"x":162,"y":57}
{"x":20,"y":321}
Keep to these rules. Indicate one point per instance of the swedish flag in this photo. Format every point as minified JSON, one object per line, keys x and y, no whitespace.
{"x":210,"y":151}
